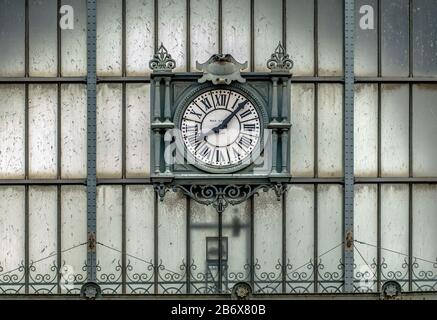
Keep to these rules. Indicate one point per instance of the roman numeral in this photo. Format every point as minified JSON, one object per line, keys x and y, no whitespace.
{"x":205,"y":151}
{"x":196,"y":114}
{"x":245,"y":113}
{"x":206,"y":103}
{"x":219,"y":157}
{"x":244,"y":142}
{"x":249,"y":127}
{"x":221,"y":99}
{"x":236,"y":153}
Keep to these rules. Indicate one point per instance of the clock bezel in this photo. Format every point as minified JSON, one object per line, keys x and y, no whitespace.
{"x":251,"y":95}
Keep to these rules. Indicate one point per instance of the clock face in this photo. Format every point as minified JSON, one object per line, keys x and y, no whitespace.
{"x":220,"y":128}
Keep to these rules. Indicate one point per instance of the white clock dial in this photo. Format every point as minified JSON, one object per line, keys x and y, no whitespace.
{"x":220,"y":128}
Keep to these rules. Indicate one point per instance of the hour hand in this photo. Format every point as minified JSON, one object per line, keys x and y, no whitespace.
{"x":228,"y":118}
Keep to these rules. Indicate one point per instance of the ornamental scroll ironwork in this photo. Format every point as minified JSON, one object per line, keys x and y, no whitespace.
{"x":162,"y":61}
{"x":221,"y":68}
{"x":280,"y":60}
{"x":221,"y":196}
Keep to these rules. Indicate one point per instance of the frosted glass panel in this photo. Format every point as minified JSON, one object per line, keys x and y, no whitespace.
{"x":109,"y":37}
{"x":394,"y":130}
{"x":302,"y":130}
{"x":42,"y":238}
{"x":11,"y":238}
{"x":12,"y":38}
{"x":74,"y":237}
{"x":236,"y":228}
{"x":424,"y":236}
{"x":203,"y":30}
{"x":109,"y":130}
{"x":330,"y":37}
{"x":366,"y":130}
{"x":300,"y":238}
{"x":366,"y":40}
{"x":365,"y":236}
{"x":12,"y":131}
{"x":73,"y":131}
{"x":43,"y":59}
{"x":268,"y":30}
{"x":300,"y":36}
{"x":424,"y":130}
{"x":395,"y":37}
{"x":394,"y":232}
{"x":268,"y":249}
{"x":330,"y":130}
{"x":236,"y":29}
{"x":204,"y":233}
{"x":425,"y":38}
{"x":172,"y":231}
{"x":330,"y":237}
{"x":109,"y":207}
{"x":73,"y":41}
{"x":140,"y":238}
{"x":172,"y":29}
{"x":139,"y":36}
{"x":138,"y":130}
{"x":42,"y":130}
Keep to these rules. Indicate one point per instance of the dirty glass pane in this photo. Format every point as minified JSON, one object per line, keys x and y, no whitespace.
{"x":43,"y":60}
{"x":172,"y":233}
{"x":268,"y":30}
{"x":109,"y":37}
{"x":394,"y":233}
{"x":109,"y":207}
{"x":425,"y":38}
{"x":365,"y":236}
{"x":139,"y":239}
{"x":395,"y":38}
{"x":300,"y":239}
{"x":424,"y":237}
{"x":204,"y":248}
{"x":330,"y":212}
{"x":73,"y":41}
{"x":424,"y":130}
{"x":394,"y":130}
{"x":73,"y":131}
{"x":330,"y":37}
{"x":203,"y":30}
{"x":139,"y":36}
{"x":236,"y":29}
{"x":74,"y":237}
{"x":12,"y":131}
{"x":300,"y":36}
{"x":330,"y":130}
{"x":172,"y":29}
{"x":302,"y":130}
{"x":42,"y":239}
{"x":109,"y":131}
{"x":42,"y":130}
{"x":268,"y":243}
{"x":12,"y":38}
{"x":236,"y":229}
{"x":11,"y":239}
{"x":138,"y":130}
{"x":366,"y":130}
{"x":366,"y":37}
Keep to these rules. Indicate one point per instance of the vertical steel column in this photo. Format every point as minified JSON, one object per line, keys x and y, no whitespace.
{"x":91,"y":139}
{"x":348,"y":254}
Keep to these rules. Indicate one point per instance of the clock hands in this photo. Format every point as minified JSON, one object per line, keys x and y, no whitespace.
{"x":225,"y":122}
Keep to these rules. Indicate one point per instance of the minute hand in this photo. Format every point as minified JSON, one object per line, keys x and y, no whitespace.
{"x":228,"y":118}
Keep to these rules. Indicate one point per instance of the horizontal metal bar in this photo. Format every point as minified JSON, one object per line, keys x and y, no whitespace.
{"x":42,"y":79}
{"x":145,"y":79}
{"x":397,"y":180}
{"x":396,"y":79}
{"x":42,"y":181}
{"x":103,"y":181}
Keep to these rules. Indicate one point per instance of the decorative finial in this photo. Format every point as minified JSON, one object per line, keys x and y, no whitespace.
{"x":162,"y":61}
{"x":280,"y":61}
